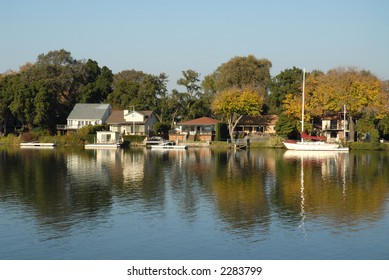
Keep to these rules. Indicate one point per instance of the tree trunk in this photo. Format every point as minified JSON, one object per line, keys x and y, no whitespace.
{"x":232,"y":122}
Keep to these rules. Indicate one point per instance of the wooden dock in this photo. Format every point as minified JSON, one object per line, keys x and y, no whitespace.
{"x":239,"y":144}
{"x":37,"y":145}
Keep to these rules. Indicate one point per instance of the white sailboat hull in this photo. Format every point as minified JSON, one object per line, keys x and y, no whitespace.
{"x":314,"y":146}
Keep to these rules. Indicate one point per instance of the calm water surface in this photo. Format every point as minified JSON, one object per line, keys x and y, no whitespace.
{"x":194,"y":204}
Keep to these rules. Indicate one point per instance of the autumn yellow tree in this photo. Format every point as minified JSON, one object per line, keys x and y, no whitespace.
{"x":233,"y":103}
{"x":359,"y":91}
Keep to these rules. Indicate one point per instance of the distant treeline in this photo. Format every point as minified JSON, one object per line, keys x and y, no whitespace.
{"x":42,"y":94}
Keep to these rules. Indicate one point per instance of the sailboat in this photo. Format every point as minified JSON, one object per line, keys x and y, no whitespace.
{"x":317,"y":143}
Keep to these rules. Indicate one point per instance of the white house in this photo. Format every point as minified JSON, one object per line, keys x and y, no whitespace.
{"x":335,"y":128}
{"x":132,"y":122}
{"x":88,"y":114}
{"x":107,"y":137}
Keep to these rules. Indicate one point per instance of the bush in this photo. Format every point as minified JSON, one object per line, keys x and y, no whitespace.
{"x":28,"y":137}
{"x":162,"y":128}
{"x":134,"y":138}
{"x":221,"y":132}
{"x":366,"y":146}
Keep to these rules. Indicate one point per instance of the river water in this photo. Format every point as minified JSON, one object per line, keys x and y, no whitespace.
{"x":67,"y":203}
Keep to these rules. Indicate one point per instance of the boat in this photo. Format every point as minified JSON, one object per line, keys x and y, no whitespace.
{"x":155,"y":140}
{"x":37,"y":145}
{"x":313,"y":146}
{"x":168,"y":145}
{"x":312,"y":143}
{"x":102,"y":146}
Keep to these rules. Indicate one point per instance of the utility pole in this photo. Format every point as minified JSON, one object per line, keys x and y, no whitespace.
{"x":133,"y":120}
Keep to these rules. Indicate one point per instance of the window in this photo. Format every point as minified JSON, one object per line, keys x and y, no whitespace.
{"x":334,"y":124}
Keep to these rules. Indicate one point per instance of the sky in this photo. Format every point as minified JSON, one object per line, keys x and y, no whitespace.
{"x":172,"y":36}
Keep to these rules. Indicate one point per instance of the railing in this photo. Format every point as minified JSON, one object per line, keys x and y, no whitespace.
{"x":65,"y":126}
{"x":62,"y":127}
{"x":334,"y":127}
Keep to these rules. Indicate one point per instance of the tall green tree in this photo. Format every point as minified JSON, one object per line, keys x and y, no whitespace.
{"x":288,"y":81}
{"x":43,"y":93}
{"x":195,"y":103}
{"x":190,"y":81}
{"x":241,"y":72}
{"x":95,"y":83}
{"x":140,"y":90}
{"x":383,"y":126}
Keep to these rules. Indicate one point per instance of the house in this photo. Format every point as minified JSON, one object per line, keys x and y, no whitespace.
{"x":250,"y":125}
{"x":132,"y":122}
{"x":198,"y":129}
{"x":84,"y":114}
{"x":107,"y":137}
{"x":335,"y":128}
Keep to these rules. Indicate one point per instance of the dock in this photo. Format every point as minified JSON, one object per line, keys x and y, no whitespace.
{"x":168,"y":147}
{"x":239,"y":144}
{"x":37,"y":145}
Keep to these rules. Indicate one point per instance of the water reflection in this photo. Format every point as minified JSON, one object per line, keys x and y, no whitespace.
{"x":335,"y":186}
{"x":248,"y":194}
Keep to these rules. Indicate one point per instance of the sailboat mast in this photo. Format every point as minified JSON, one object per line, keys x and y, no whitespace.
{"x":302,"y":105}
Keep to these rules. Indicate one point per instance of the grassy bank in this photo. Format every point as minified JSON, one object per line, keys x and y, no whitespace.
{"x":369,"y":146}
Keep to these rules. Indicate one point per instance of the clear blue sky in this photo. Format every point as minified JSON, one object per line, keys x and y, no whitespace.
{"x":170,"y":36}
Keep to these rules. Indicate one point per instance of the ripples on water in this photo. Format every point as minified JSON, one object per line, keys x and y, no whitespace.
{"x":195,"y":204}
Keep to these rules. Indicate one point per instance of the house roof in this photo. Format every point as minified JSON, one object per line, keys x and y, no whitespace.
{"x":200,"y":121}
{"x":117,"y":117}
{"x":258,"y":120}
{"x":88,"y":111}
{"x":145,"y":113}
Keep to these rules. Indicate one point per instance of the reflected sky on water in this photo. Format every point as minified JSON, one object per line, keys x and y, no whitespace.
{"x":194,"y":204}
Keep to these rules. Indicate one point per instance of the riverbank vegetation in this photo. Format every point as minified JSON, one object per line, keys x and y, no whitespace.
{"x":41,"y":95}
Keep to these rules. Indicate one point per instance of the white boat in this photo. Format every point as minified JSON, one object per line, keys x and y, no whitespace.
{"x":103,"y":146}
{"x":315,"y":143}
{"x":168,"y":145}
{"x":313,"y":146}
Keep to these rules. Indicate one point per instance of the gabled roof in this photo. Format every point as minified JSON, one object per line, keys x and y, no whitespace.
{"x":88,"y":111}
{"x":117,"y":116}
{"x":200,"y":121}
{"x":258,"y":120}
{"x":145,"y":113}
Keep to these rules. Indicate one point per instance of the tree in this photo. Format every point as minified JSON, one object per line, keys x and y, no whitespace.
{"x":195,"y":103}
{"x":285,"y":127}
{"x":241,"y":72}
{"x":6,"y":83}
{"x":383,"y":125}
{"x":360,"y":91}
{"x":191,"y":82}
{"x":135,"y":88}
{"x":233,"y":103}
{"x":366,"y":129}
{"x":95,"y":83}
{"x":288,"y":81}
{"x":54,"y":77}
{"x":174,"y":106}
